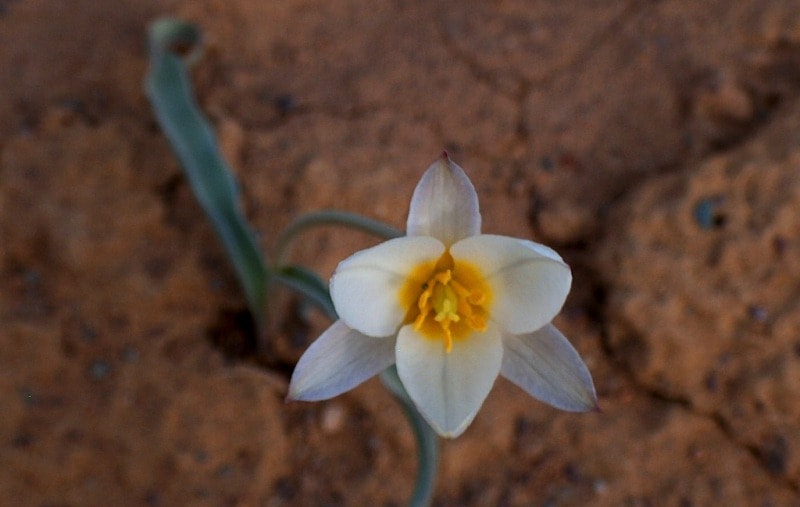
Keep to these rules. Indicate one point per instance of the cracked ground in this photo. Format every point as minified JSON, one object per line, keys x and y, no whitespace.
{"x":653,"y":144}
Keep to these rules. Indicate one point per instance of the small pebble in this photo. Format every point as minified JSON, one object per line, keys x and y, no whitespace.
{"x":333,"y":417}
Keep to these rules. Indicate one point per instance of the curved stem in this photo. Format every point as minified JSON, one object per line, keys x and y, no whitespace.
{"x":331,"y":217}
{"x":427,"y":441}
{"x":307,"y":283}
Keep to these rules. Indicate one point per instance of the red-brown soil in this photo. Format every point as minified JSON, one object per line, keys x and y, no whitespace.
{"x":654,"y":144}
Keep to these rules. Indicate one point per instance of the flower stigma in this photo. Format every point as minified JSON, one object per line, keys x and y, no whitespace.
{"x":446,"y":300}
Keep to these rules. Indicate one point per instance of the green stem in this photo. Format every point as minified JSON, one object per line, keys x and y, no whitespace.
{"x":330,"y":217}
{"x":192,"y":138}
{"x":309,"y":284}
{"x":427,"y":441}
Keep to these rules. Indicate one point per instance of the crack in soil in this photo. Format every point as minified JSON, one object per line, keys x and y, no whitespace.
{"x":771,"y":461}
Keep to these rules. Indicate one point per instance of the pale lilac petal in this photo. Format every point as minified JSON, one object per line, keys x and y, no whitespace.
{"x":546,"y":365}
{"x":365,"y":288}
{"x":444,"y":205}
{"x":448,"y":388}
{"x":528,"y":287}
{"x":339,"y":360}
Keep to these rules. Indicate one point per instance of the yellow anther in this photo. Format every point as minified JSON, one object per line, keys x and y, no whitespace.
{"x":459,"y":289}
{"x":446,"y":300}
{"x":476,"y":322}
{"x":476,"y":297}
{"x":419,"y":321}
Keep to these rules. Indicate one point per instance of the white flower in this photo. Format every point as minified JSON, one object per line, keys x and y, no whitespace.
{"x":453,"y":308}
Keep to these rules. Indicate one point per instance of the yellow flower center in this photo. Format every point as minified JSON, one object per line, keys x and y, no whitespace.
{"x":446,"y":300}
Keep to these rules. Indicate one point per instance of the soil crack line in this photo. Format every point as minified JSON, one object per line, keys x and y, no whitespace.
{"x":686,"y":404}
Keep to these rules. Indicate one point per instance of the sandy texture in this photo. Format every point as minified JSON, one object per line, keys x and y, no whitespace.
{"x":653,"y":144}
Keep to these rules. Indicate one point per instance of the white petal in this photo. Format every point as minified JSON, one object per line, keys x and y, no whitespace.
{"x":528,"y":287}
{"x":541,"y":249}
{"x":448,"y":389}
{"x":546,"y":365}
{"x":365,"y":288}
{"x":444,"y":205}
{"x":339,"y":360}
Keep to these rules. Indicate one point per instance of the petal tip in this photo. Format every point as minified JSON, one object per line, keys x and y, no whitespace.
{"x":458,"y":431}
{"x":295,"y":393}
{"x":448,"y":389}
{"x":589,"y":404}
{"x":547,"y":366}
{"x":339,"y":360}
{"x":444,"y":204}
{"x":448,"y":433}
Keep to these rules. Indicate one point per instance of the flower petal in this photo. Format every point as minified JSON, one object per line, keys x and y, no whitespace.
{"x":541,"y":249}
{"x":546,"y":365}
{"x":365,"y":288}
{"x":444,"y":205}
{"x":339,"y":360}
{"x":529,"y":286}
{"x":448,"y":388}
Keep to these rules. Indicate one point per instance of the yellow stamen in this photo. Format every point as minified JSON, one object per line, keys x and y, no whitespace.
{"x":446,"y":300}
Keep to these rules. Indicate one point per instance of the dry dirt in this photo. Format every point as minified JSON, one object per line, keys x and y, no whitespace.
{"x":654,"y":144}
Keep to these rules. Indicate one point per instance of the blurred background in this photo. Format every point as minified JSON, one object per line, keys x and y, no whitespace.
{"x":653,"y":144}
